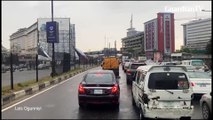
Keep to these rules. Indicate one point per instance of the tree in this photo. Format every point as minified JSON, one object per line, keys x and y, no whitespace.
{"x":178,"y":51}
{"x":187,"y":50}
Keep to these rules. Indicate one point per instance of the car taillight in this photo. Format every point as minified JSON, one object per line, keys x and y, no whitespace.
{"x":81,"y":89}
{"x":193,"y":84}
{"x":115,"y":89}
{"x":129,"y":72}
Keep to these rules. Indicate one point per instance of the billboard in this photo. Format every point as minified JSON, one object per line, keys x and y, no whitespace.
{"x":52,"y":32}
{"x":63,"y":44}
{"x":160,"y":18}
{"x":166,"y":32}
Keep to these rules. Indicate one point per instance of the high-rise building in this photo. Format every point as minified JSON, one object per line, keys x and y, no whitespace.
{"x":197,"y":34}
{"x":159,"y":36}
{"x":133,"y":43}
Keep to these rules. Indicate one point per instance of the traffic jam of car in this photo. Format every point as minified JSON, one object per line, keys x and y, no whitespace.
{"x":159,"y":90}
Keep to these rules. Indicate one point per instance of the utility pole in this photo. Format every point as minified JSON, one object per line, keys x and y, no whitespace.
{"x":11,"y":66}
{"x":37,"y":54}
{"x":53,"y":47}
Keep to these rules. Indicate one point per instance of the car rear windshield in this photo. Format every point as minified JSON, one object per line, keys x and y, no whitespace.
{"x":168,"y":81}
{"x":135,"y":66}
{"x":126,"y":60}
{"x":99,"y":78}
{"x":197,"y":63}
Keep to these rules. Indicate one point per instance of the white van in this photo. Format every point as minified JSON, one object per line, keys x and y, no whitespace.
{"x":162,"y":92}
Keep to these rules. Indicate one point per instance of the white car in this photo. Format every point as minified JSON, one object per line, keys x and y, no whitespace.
{"x":200,"y":81}
{"x":206,"y":106}
{"x":126,"y":65}
{"x":162,"y":92}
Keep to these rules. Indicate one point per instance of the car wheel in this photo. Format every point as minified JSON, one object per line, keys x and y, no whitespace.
{"x":127,"y":82}
{"x":205,"y":111}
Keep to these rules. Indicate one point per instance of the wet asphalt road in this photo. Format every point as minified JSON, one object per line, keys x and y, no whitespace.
{"x":61,"y":102}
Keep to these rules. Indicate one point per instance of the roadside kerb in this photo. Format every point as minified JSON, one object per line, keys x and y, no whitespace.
{"x":28,"y":91}
{"x":35,"y":88}
{"x":7,"y":99}
{"x":19,"y":94}
{"x":47,"y":83}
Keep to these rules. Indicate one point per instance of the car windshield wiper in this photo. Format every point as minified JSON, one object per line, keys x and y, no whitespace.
{"x":169,"y":91}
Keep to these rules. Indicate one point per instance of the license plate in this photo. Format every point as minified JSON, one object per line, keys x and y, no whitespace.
{"x":98,"y":91}
{"x":169,"y":104}
{"x":202,"y":85}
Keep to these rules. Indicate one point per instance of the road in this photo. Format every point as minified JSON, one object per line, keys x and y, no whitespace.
{"x":61,"y":102}
{"x":21,"y":76}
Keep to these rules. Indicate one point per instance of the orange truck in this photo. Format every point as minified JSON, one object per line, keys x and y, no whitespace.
{"x":111,"y":63}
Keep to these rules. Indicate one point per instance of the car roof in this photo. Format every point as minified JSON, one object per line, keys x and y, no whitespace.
{"x":168,"y":68}
{"x":145,"y":68}
{"x":138,"y":63}
{"x":100,"y":71}
{"x":158,"y":68}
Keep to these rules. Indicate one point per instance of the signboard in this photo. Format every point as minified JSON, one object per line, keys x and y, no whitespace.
{"x":160,"y":17}
{"x":52,"y":32}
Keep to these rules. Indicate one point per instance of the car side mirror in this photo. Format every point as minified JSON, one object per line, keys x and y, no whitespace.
{"x":211,"y":93}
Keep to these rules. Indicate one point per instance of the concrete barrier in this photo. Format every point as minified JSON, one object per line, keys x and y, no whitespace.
{"x":41,"y":86}
{"x":28,"y":91}
{"x":35,"y":88}
{"x":59,"y":80}
{"x":47,"y":83}
{"x":8,"y":98}
{"x":19,"y":94}
{"x":52,"y":82}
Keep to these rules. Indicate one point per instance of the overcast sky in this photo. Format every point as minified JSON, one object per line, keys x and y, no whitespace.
{"x":96,"y":19}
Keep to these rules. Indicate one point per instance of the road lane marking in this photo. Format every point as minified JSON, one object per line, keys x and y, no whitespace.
{"x":42,"y":92}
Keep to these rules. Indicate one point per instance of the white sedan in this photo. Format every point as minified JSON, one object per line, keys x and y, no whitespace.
{"x":200,"y":81}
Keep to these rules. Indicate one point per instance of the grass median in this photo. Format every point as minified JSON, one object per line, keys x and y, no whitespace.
{"x":6,"y":90}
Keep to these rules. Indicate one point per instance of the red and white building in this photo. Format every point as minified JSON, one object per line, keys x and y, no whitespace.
{"x":159,"y":36}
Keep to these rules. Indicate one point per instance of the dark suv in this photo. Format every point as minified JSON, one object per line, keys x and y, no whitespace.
{"x":132,"y":70}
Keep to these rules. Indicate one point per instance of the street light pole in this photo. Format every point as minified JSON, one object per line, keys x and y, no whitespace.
{"x":53,"y":46}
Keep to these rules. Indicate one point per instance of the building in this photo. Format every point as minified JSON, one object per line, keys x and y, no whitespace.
{"x":159,"y":36}
{"x":133,"y":43}
{"x":197,"y":34}
{"x":25,"y":41}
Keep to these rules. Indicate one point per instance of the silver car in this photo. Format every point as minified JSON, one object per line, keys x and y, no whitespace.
{"x":206,"y":106}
